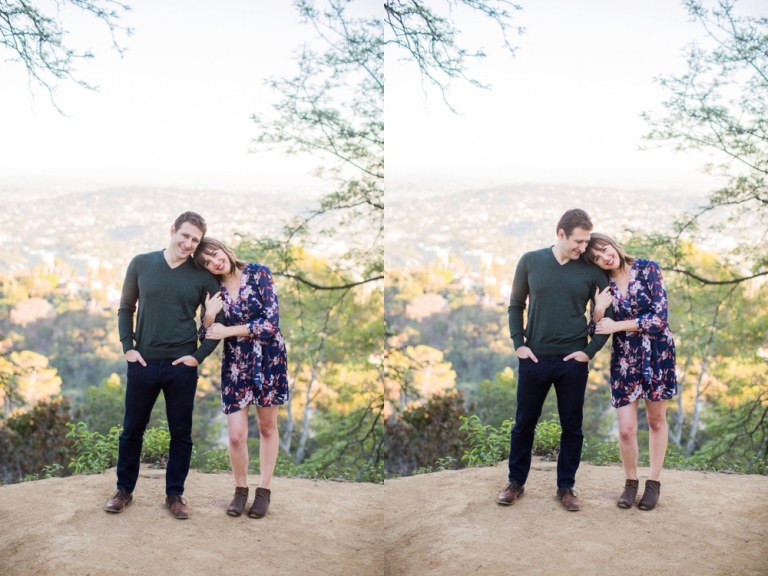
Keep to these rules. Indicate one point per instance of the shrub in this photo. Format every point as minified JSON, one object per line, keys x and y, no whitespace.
{"x":33,"y":440}
{"x":487,"y":445}
{"x":214,"y":460}
{"x":421,"y":436}
{"x":156,"y":446}
{"x":546,"y":442}
{"x":94,"y":452}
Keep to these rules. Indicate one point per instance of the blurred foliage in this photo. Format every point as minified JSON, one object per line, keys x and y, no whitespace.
{"x":720,"y":418}
{"x":421,"y":435}
{"x":32,"y":440}
{"x":93,"y":452}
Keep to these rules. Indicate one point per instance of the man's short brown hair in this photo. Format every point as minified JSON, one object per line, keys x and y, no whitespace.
{"x":193,"y":218}
{"x":574,"y":218}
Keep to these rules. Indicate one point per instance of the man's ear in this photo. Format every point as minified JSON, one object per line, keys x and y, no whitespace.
{"x":173,"y":230}
{"x":561,"y":234}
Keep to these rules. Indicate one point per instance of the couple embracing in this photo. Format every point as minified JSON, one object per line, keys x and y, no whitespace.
{"x":627,"y":300}
{"x":237,"y":304}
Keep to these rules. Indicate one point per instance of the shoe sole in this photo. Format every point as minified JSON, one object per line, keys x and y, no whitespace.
{"x":121,"y":510}
{"x":254,"y":516}
{"x":623,"y":506}
{"x":174,"y":515}
{"x":510,"y":503}
{"x":236,"y":515}
{"x":179,"y":517}
{"x":569,"y":509}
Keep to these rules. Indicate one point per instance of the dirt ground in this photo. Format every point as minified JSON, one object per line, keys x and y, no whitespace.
{"x":449,"y":523}
{"x":444,"y":523}
{"x":59,"y":527}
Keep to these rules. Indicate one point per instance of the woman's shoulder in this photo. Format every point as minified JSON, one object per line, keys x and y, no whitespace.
{"x":255,"y":271}
{"x":253,"y":267}
{"x":646,"y":264}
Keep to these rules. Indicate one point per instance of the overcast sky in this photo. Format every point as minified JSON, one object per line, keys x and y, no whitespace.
{"x":565,"y":109}
{"x":174,"y":111}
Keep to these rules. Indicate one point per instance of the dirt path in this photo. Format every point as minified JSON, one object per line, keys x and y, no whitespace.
{"x":448,"y":523}
{"x":58,"y":527}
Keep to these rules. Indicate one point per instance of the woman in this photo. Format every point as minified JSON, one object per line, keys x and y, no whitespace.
{"x":642,"y":357}
{"x":253,"y":369}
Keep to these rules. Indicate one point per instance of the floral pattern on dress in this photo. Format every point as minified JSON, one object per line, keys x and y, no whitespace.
{"x":254,"y":367}
{"x":642,"y":362}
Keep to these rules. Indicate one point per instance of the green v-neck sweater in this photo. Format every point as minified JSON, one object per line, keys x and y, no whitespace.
{"x":557,"y":296}
{"x":168,"y":299}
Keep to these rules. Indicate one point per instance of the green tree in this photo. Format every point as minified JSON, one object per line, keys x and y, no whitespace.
{"x":720,"y":105}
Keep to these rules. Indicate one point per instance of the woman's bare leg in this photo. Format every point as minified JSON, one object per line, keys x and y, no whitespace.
{"x":659,"y":434}
{"x":269,"y":445}
{"x":627,"y":417}
{"x":237,"y":426}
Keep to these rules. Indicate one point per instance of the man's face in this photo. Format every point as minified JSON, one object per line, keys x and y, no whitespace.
{"x":575,"y":244}
{"x":185,"y":240}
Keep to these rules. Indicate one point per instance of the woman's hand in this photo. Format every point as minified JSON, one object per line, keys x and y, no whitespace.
{"x":213,"y":304}
{"x":606,"y":326}
{"x":603,"y":299}
{"x":216,"y":331}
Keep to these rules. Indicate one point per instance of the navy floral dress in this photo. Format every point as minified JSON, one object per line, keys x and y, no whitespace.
{"x":642,"y":362}
{"x":254,"y":367}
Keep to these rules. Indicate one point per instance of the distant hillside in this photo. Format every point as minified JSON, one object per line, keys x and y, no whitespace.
{"x":505,"y":221}
{"x":112,"y":225}
{"x":58,"y":527}
{"x":448,"y":523}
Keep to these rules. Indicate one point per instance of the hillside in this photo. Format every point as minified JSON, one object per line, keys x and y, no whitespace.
{"x":58,"y":527}
{"x":448,"y":523}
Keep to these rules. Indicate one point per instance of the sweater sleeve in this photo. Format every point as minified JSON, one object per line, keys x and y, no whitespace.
{"x":266,"y":326}
{"x":206,"y":345}
{"x":655,"y":321}
{"x":517,"y":303}
{"x":597,"y":341}
{"x":128,"y":298}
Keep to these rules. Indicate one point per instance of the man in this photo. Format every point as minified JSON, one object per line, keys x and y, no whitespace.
{"x":162,"y":354}
{"x":553,"y":349}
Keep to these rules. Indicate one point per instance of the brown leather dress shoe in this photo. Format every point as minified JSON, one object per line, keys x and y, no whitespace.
{"x":627,"y":497}
{"x":512,"y":493}
{"x":650,"y":495}
{"x":177,"y":506}
{"x":119,"y":501}
{"x":238,"y":503}
{"x":568,"y":499}
{"x":260,"y":503}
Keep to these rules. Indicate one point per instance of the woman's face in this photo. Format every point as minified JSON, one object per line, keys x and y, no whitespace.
{"x":217,"y":263}
{"x":606,"y":257}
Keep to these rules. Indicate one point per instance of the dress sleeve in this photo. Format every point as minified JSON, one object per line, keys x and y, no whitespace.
{"x":655,"y":321}
{"x":266,"y":326}
{"x":592,"y":326}
{"x":201,"y":331}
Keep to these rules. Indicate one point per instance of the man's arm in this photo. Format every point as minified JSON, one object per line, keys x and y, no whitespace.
{"x":127,"y":309}
{"x":517,"y":304}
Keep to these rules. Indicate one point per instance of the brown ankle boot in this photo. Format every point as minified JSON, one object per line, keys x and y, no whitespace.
{"x":650,"y":496}
{"x":260,"y":503}
{"x":238,"y":503}
{"x":627,"y":497}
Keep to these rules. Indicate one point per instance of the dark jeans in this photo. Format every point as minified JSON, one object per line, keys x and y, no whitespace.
{"x":178,"y":384}
{"x":534,"y":381}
